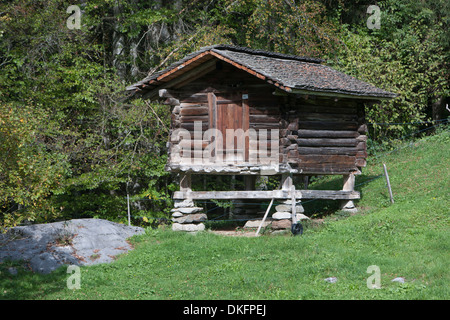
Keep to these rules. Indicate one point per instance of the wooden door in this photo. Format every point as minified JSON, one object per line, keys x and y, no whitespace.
{"x":229,"y":115}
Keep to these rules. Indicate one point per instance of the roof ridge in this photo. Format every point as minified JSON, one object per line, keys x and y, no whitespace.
{"x":261,"y":52}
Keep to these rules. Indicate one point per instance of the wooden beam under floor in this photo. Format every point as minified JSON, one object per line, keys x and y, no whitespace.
{"x":276,"y":194}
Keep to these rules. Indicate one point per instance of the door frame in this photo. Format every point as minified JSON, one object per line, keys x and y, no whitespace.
{"x":213,"y":116}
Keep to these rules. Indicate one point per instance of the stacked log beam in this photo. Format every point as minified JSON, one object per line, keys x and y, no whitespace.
{"x":322,"y":136}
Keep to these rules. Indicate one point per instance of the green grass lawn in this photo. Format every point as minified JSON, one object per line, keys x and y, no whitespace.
{"x":408,"y":239}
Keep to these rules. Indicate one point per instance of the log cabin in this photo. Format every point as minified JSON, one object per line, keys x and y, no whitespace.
{"x":245,"y":112}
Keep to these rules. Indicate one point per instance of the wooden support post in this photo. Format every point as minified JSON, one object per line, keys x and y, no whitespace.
{"x":388,"y":183}
{"x":185,"y":182}
{"x":348,"y":185}
{"x":349,"y":182}
{"x":305,"y":182}
{"x":286,"y":182}
{"x":294,"y":203}
{"x":250,"y":182}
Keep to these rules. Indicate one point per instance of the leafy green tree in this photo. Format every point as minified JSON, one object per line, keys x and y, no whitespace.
{"x":407,"y":55}
{"x":70,"y":146}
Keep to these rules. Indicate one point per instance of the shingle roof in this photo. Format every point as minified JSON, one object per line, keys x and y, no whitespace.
{"x":291,"y":73}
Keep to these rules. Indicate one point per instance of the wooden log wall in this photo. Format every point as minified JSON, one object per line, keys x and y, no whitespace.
{"x":192,"y":103}
{"x":323,"y":135}
{"x":190,"y":108}
{"x":318,"y":135}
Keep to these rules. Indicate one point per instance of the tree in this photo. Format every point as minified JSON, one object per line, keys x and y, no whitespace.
{"x":66,"y":133}
{"x":407,"y":55}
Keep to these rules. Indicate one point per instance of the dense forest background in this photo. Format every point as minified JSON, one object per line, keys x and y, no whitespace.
{"x":71,"y":146}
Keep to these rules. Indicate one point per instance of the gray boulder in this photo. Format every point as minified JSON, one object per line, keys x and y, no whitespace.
{"x":80,"y":242}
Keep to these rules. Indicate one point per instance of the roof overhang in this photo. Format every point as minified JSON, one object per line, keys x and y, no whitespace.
{"x":331,"y":94}
{"x":204,"y":61}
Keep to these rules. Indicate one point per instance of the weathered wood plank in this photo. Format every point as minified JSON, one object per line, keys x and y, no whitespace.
{"x":285,"y":142}
{"x":276,"y":194}
{"x":325,"y":101}
{"x":293,"y":124}
{"x":264,"y":110}
{"x":328,"y":150}
{"x":263,"y":119}
{"x":324,"y":125}
{"x":212,"y":110}
{"x":361,"y":138}
{"x":221,"y":100}
{"x":360,"y":162}
{"x":194,"y":111}
{"x":190,"y":125}
{"x":326,"y":159}
{"x":304,"y":133}
{"x":292,"y":154}
{"x":328,"y":117}
{"x":326,"y":109}
{"x":191,"y":104}
{"x":329,"y":169}
{"x":194,"y":144}
{"x":258,"y":125}
{"x":361,"y":154}
{"x":324,"y":142}
{"x":245,"y":126}
{"x":195,"y":98}
{"x":187,"y":119}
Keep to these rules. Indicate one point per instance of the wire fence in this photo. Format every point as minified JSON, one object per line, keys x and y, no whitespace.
{"x":410,"y":123}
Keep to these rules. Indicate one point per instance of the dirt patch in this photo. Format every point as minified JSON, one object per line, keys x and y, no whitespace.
{"x":235,"y":233}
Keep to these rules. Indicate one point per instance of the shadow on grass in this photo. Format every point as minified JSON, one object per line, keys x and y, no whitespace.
{"x":19,"y":283}
{"x":319,"y":208}
{"x":314,"y":208}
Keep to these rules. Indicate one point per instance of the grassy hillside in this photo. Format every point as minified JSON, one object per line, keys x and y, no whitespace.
{"x":408,"y":239}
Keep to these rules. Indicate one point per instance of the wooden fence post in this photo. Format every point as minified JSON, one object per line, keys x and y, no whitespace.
{"x":388,"y":183}
{"x":294,"y":202}
{"x":128,"y":206}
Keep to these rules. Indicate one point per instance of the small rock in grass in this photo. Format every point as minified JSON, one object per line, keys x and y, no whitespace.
{"x":12,"y":271}
{"x":331,"y":280}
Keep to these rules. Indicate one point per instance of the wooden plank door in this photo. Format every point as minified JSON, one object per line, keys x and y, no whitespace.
{"x":229,"y":114}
